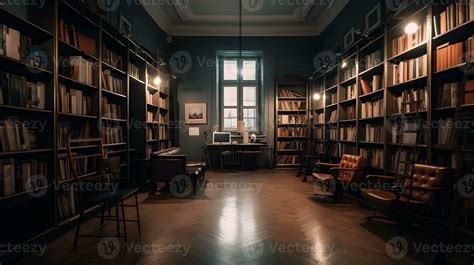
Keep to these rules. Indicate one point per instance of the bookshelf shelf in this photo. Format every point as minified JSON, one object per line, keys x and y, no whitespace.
{"x":32,"y":110}
{"x":372,"y":94}
{"x":410,"y":83}
{"x":72,"y":49}
{"x":78,"y":116}
{"x":114,"y":69}
{"x":348,"y":81}
{"x":24,"y":193}
{"x":140,"y":82}
{"x":76,"y":83}
{"x":348,"y":102}
{"x":22,"y":68}
{"x":331,"y":88}
{"x":419,"y":49}
{"x":26,"y":152}
{"x":373,"y":70}
{"x":113,"y":120}
{"x":115,"y":145}
{"x":456,"y":34}
{"x":107,"y":92}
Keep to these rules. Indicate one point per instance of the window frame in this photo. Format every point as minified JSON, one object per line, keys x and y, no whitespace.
{"x":240,"y":88}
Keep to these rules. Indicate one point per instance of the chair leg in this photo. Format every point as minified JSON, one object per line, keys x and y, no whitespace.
{"x":102,"y":217}
{"x":124,"y":222}
{"x":138,"y":214}
{"x":117,"y":220}
{"x":78,"y":228}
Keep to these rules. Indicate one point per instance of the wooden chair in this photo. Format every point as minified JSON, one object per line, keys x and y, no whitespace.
{"x":108,"y":196}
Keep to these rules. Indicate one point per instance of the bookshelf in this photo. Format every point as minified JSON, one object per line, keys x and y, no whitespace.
{"x":393,"y":67}
{"x":88,"y":93}
{"x":291,"y":110}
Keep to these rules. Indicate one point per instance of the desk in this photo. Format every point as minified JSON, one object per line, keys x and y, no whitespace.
{"x":212,"y":149}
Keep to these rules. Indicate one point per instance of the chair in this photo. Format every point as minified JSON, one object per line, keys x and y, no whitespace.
{"x":89,"y":165}
{"x":330,"y":176}
{"x":167,"y":164}
{"x":308,"y":162}
{"x":415,"y":194}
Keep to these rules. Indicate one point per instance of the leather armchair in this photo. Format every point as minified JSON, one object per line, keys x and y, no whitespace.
{"x":415,"y":194}
{"x":349,"y":170}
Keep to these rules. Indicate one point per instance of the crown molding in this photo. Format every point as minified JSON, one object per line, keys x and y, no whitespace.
{"x":247,"y":31}
{"x":329,"y":17}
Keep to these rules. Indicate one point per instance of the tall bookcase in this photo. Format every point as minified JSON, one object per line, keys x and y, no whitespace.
{"x":72,"y":79}
{"x":291,"y":112}
{"x":392,"y":67}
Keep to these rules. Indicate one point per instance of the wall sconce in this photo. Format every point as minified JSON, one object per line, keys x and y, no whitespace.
{"x":157,"y":81}
{"x":411,"y":28}
{"x":317,"y":96}
{"x":344,"y":64}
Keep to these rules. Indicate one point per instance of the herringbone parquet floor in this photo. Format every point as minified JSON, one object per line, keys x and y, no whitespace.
{"x":261,"y":217}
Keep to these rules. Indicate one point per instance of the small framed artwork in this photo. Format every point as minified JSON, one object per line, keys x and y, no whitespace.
{"x":373,"y":18}
{"x":349,"y":38}
{"x":195,"y":113}
{"x":125,"y":26}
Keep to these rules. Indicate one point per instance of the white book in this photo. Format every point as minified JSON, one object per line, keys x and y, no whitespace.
{"x":41,"y":87}
{"x":13,"y":44}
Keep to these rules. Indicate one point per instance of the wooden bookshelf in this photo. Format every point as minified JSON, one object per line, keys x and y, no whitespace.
{"x":291,"y":112}
{"x":107,"y":104}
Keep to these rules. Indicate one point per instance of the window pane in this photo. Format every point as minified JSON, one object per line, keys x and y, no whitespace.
{"x":230,"y":70}
{"x":230,"y":96}
{"x":250,"y":119}
{"x":250,"y":96}
{"x":249,"y":71}
{"x":230,"y":119}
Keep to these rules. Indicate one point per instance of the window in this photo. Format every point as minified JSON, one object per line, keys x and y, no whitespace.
{"x":240,"y":93}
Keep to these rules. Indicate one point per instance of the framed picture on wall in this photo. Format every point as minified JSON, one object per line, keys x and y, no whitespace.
{"x":195,"y":113}
{"x":373,"y":18}
{"x":349,"y":38}
{"x":125,"y":26}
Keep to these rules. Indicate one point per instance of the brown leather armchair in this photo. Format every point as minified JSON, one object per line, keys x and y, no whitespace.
{"x":329,"y":176}
{"x":416,"y":194}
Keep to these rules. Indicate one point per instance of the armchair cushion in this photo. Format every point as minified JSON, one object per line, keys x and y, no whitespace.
{"x":352,"y":162}
{"x":322,"y":176}
{"x":386,"y":198}
{"x":426,"y":180}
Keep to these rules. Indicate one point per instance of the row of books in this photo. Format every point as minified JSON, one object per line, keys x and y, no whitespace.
{"x":292,"y":119}
{"x":348,"y":92}
{"x":455,"y":14}
{"x":371,"y":109}
{"x":133,"y":71}
{"x":19,"y":92}
{"x":17,"y":46}
{"x":451,"y":55}
{"x":407,"y":41}
{"x":448,"y":96}
{"x":81,"y":166}
{"x":157,"y":117}
{"x":74,"y":101}
{"x":348,"y":133}
{"x":112,"y":83}
{"x":66,"y":204}
{"x":288,"y":93}
{"x":349,"y":71}
{"x":112,"y":134}
{"x":374,"y":156}
{"x":445,"y":131}
{"x":21,"y":175}
{"x":291,"y":105}
{"x":156,"y":100}
{"x":350,"y":113}
{"x":78,"y":68}
{"x":292,"y":132}
{"x":288,"y":160}
{"x":68,"y":130}
{"x":112,"y":58}
{"x":15,"y":136}
{"x":348,"y":149}
{"x":374,"y":133}
{"x":371,"y":86}
{"x":409,"y":70}
{"x":405,"y":155}
{"x":319,"y":118}
{"x":293,"y":145}
{"x":410,"y":133}
{"x":333,"y":117}
{"x":69,"y":35}
{"x":373,"y":59}
{"x":410,"y":100}
{"x":163,"y":133}
{"x":318,"y":133}
{"x":111,"y":110}
{"x":333,"y":134}
{"x":331,"y":98}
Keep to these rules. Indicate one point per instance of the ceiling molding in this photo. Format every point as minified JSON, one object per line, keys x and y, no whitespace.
{"x":164,"y":22}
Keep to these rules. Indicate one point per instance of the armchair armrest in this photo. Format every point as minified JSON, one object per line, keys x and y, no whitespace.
{"x":380,"y":177}
{"x":346,"y":169}
{"x":319,"y":165}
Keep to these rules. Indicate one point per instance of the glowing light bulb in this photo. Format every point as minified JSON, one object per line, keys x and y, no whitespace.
{"x":317,"y":96}
{"x":411,"y":28}
{"x":344,"y":64}
{"x":157,"y":81}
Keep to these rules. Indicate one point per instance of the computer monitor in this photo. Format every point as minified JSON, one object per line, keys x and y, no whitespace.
{"x":221,"y":138}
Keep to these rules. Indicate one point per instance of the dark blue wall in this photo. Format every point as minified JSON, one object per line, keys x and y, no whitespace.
{"x":281,"y":56}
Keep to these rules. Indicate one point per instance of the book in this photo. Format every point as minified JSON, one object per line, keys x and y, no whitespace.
{"x":12,"y":44}
{"x":409,"y":69}
{"x":375,"y":157}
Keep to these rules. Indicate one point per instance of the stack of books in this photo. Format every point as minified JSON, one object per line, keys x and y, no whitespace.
{"x":21,"y":175}
{"x":348,"y":133}
{"x":455,"y":14}
{"x":112,"y":83}
{"x":111,"y":110}
{"x":371,"y":86}
{"x":407,"y":41}
{"x":15,"y":136}
{"x":409,"y":99}
{"x":374,"y":133}
{"x":111,"y":58}
{"x":409,"y":70}
{"x":17,"y":91}
{"x":79,"y":69}
{"x":69,"y":35}
{"x":371,"y":109}
{"x":74,"y":101}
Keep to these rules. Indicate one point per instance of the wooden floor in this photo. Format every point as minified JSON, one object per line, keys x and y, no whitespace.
{"x":262,"y":217}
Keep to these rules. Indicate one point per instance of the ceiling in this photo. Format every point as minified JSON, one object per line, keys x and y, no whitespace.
{"x":259,"y":17}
